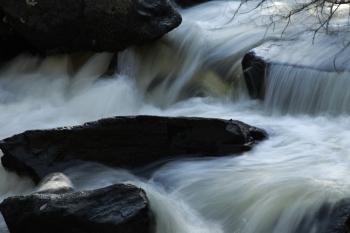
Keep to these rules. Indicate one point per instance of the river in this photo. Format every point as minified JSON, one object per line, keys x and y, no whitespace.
{"x":195,"y":71}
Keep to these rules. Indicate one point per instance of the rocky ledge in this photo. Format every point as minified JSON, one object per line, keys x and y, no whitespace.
{"x":292,"y":54}
{"x":49,"y":26}
{"x":118,"y":208}
{"x":127,"y":142}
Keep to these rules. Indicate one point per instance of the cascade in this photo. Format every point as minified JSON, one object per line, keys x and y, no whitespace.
{"x":195,"y":71}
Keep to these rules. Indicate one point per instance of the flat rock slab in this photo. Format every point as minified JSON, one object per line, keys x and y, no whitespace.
{"x":115,"y":209}
{"x":321,"y":56}
{"x":305,"y":54}
{"x":126,"y":142}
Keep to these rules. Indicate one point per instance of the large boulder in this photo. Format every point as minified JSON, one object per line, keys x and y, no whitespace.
{"x":86,"y":25}
{"x":127,"y":142}
{"x":188,"y":3}
{"x":10,"y":43}
{"x":115,"y":209}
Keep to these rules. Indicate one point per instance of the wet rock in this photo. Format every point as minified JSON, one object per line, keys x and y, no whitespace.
{"x":85,"y":25}
{"x":188,"y":3}
{"x":301,"y":54}
{"x":115,"y":209}
{"x":127,"y":142}
{"x":254,"y":70}
{"x":10,"y":43}
{"x":338,"y":218}
{"x":329,"y":218}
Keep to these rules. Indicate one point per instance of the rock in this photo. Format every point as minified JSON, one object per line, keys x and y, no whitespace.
{"x":319,"y":56}
{"x":254,"y":70}
{"x":329,"y":218}
{"x":10,"y":44}
{"x":127,"y":142}
{"x":86,"y":25}
{"x":188,"y":3}
{"x":115,"y":209}
{"x":336,"y":218}
{"x":55,"y":183}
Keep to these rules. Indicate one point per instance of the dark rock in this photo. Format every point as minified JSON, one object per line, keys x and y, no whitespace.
{"x":114,"y":209}
{"x":254,"y":70}
{"x":338,"y":218}
{"x":286,"y":54}
{"x":188,"y":3}
{"x":10,"y":43}
{"x":128,"y":142}
{"x":329,"y":218}
{"x":87,"y":25}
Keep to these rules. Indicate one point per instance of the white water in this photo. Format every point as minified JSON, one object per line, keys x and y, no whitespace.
{"x":302,"y":90}
{"x":304,"y":163}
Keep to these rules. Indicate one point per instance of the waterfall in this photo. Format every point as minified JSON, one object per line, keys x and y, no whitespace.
{"x":195,"y":71}
{"x":309,"y":76}
{"x":306,"y":91}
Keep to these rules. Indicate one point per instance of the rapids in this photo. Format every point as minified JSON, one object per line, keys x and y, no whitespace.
{"x":195,"y":71}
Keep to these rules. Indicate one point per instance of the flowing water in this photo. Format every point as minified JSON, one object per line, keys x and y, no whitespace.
{"x":195,"y":71}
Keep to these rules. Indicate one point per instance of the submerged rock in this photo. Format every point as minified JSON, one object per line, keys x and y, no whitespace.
{"x":329,"y":218}
{"x":338,"y":218}
{"x":86,"y":25}
{"x":127,"y":142}
{"x":115,"y":209}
